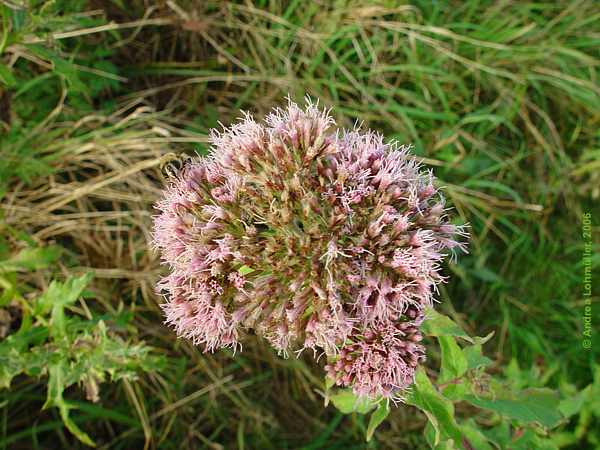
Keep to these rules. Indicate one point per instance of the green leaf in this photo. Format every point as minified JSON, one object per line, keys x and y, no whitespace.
{"x":62,"y":67}
{"x":440,"y":325}
{"x":594,"y":399}
{"x":245,"y":270}
{"x":346,"y":402}
{"x":6,"y":76}
{"x":31,"y":259}
{"x":454,"y":361}
{"x":329,"y":383}
{"x":475,"y":357}
{"x":438,"y":409}
{"x":455,"y":391}
{"x":57,"y":297}
{"x":377,"y":418}
{"x":535,"y":405}
{"x":530,"y":440}
{"x":474,"y":436}
{"x":572,"y":405}
{"x":431,"y":436}
{"x":16,"y":356}
{"x":57,"y":373}
{"x":499,"y":435}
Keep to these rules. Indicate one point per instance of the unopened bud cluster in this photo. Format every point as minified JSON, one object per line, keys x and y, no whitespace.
{"x":312,"y":237}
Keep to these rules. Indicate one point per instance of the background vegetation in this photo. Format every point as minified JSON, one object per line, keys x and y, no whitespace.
{"x":501,"y":98}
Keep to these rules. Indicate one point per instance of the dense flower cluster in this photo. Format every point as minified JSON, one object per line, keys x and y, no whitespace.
{"x":314,"y":238}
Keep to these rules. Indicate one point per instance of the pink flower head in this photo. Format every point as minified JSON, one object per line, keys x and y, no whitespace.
{"x":312,"y":237}
{"x":379,"y":361}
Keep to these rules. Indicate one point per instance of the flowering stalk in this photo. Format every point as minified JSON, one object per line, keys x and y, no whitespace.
{"x":314,"y":238}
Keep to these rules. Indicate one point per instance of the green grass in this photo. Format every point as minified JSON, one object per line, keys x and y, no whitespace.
{"x":502,"y":99}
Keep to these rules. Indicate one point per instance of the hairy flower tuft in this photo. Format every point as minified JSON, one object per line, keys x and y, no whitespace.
{"x":312,"y":237}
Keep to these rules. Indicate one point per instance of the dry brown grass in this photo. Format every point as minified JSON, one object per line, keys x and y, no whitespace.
{"x":98,"y":200}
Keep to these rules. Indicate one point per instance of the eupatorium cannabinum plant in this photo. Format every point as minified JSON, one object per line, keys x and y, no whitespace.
{"x":315,"y":238}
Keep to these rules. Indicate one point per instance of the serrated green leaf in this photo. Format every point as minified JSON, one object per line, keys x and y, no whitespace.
{"x":19,"y":354}
{"x":70,"y":350}
{"x":378,"y":416}
{"x":535,"y":405}
{"x":11,"y":363}
{"x":57,"y":373}
{"x":57,"y":297}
